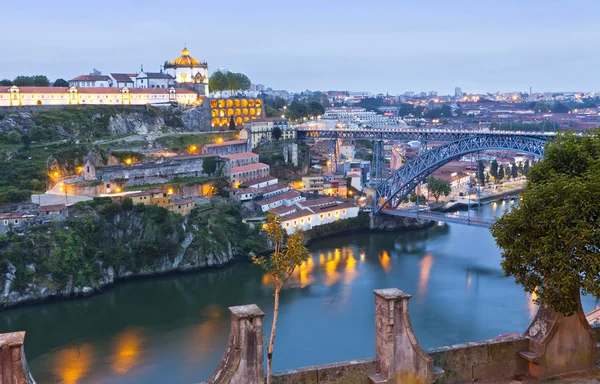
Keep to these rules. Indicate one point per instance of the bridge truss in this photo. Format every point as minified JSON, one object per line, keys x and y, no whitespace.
{"x":395,"y":188}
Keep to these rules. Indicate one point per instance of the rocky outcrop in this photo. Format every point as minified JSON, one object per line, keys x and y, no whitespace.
{"x":197,"y":119}
{"x":134,"y":123}
{"x":393,"y":223}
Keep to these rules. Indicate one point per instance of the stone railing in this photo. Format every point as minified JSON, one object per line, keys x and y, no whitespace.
{"x":553,"y":345}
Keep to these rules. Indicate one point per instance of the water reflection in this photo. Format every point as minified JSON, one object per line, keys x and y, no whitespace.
{"x":424,"y":269}
{"x":533,"y":307}
{"x":384,"y":259}
{"x":127,"y":350}
{"x":72,"y":364}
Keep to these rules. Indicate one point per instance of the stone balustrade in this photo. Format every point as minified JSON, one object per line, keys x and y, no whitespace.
{"x":552,"y":346}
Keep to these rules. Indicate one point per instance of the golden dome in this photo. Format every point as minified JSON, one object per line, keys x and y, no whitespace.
{"x":185,"y":59}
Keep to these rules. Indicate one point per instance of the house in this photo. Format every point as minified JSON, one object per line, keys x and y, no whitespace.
{"x":260,"y":130}
{"x":226,"y":148}
{"x":92,"y":80}
{"x":56,"y":212}
{"x":14,"y":221}
{"x":312,"y":184}
{"x":239,"y":160}
{"x":121,"y":80}
{"x":182,"y":206}
{"x":287,"y":199}
{"x":238,"y":175}
{"x":260,"y":182}
{"x":315,"y":213}
{"x":154,"y":80}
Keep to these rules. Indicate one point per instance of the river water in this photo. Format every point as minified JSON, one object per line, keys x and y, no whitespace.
{"x":174,"y":329}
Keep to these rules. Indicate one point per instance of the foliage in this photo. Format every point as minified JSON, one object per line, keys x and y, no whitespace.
{"x":280,"y":267}
{"x":443,"y":111}
{"x":60,"y":83}
{"x":438,"y":187}
{"x":134,"y":156}
{"x":371,"y":103}
{"x":31,"y":81}
{"x":494,"y":169}
{"x":209,"y":165}
{"x":501,"y":172}
{"x":276,"y":133}
{"x":550,"y":241}
{"x":6,"y":82}
{"x":480,"y":172}
{"x":230,"y":81}
{"x":180,"y":142}
{"x":82,"y":122}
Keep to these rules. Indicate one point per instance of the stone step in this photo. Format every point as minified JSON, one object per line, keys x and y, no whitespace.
{"x":438,"y":373}
{"x":531,"y":357}
{"x":376,"y":378}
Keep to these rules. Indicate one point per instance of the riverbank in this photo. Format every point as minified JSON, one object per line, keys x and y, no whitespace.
{"x":187,"y":261}
{"x":462,"y":204}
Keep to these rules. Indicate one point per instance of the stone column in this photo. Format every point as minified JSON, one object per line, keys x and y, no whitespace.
{"x":560,"y":345}
{"x":13,"y":365}
{"x":401,"y":359}
{"x":242,"y":362}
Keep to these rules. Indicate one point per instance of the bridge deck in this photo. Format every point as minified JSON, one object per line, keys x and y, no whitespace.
{"x":443,"y":217}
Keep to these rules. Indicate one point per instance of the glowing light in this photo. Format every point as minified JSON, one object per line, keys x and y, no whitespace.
{"x":193,"y":149}
{"x":425,"y":268}
{"x":72,"y":364}
{"x":531,"y":304}
{"x":79,"y":169}
{"x":384,"y":260}
{"x":170,"y":191}
{"x":119,"y":190}
{"x":128,"y":161}
{"x":56,"y":174}
{"x":127,"y":351}
{"x":219,"y":140}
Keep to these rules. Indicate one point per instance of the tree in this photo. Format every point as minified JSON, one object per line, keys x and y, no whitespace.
{"x":26,"y":140}
{"x":514,"y":171}
{"x":231,"y":124}
{"x":541,"y":107}
{"x":559,"y":107}
{"x":526,"y":167}
{"x":494,"y":169}
{"x":480,"y":172}
{"x":209,"y":165}
{"x":438,"y":187}
{"x":487,"y":178}
{"x":30,"y":81}
{"x":60,"y":83}
{"x":501,"y":172}
{"x":6,"y":82}
{"x":280,"y":267}
{"x":276,"y":133}
{"x":550,"y":241}
{"x":217,"y":82}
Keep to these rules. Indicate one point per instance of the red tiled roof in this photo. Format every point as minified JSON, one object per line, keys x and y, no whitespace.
{"x":226,"y":143}
{"x":142,"y":193}
{"x":249,"y":167}
{"x":237,"y":156}
{"x":334,"y":207}
{"x":91,"y":78}
{"x":317,"y":202}
{"x":38,"y":89}
{"x":182,"y":201}
{"x":122,"y":77}
{"x":297,"y":215}
{"x":282,"y":210}
{"x":259,"y":180}
{"x":284,"y":196}
{"x":50,"y":208}
{"x":14,"y":215}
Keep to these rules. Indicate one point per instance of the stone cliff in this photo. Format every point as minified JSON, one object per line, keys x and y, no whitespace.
{"x":98,"y":246}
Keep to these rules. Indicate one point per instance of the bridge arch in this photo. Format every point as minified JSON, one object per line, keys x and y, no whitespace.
{"x":404,"y":180}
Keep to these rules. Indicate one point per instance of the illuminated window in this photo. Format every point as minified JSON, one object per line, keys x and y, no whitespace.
{"x":213,"y":103}
{"x":251,"y":103}
{"x":287,"y":225}
{"x":245,"y":111}
{"x":343,"y":212}
{"x":222,"y":113}
{"x":229,"y":103}
{"x":301,"y":221}
{"x":221,"y":103}
{"x":244,"y":103}
{"x":236,"y":103}
{"x":309,"y":219}
{"x":258,"y":103}
{"x":295,"y":224}
{"x":337,"y":213}
{"x":329,"y":215}
{"x":230,"y":112}
{"x":321,"y":216}
{"x":252,"y":112}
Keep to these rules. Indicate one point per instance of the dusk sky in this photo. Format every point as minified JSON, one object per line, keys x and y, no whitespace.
{"x":360,"y":45}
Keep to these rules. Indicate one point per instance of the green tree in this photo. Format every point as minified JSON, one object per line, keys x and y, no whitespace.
{"x":438,"y":187}
{"x":550,"y":241}
{"x":30,"y":81}
{"x":559,"y":107}
{"x":13,"y":137}
{"x":280,"y":267}
{"x":526,"y":167}
{"x":480,"y":172}
{"x":209,"y":165}
{"x":276,"y":133}
{"x":501,"y":172}
{"x":514,"y":171}
{"x":406,"y":109}
{"x":541,"y":107}
{"x":6,"y":82}
{"x":26,"y":140}
{"x":494,"y":169}
{"x":217,"y":82}
{"x":60,"y":83}
{"x":231,"y":124}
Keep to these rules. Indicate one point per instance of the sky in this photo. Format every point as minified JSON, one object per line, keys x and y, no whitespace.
{"x":389,"y":46}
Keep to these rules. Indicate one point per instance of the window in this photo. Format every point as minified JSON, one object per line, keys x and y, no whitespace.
{"x":343,"y":212}
{"x":5,"y":222}
{"x":108,"y":186}
{"x":287,"y":225}
{"x":301,"y":221}
{"x":309,"y":219}
{"x":295,"y":223}
{"x":329,"y":215}
{"x":16,"y":221}
{"x":321,"y":216}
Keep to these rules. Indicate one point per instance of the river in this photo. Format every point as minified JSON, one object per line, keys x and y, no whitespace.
{"x":174,"y":329}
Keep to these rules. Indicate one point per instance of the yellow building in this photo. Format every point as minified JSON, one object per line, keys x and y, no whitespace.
{"x":27,"y":96}
{"x":240,"y":109}
{"x":182,"y":206}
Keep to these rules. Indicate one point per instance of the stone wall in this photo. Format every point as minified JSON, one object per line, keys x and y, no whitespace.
{"x":347,"y":372}
{"x":151,"y":173}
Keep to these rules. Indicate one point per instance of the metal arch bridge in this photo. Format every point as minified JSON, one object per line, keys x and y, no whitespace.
{"x":409,"y":134}
{"x":391,"y":191}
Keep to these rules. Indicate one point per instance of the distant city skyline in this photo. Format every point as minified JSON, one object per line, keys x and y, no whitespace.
{"x":385,"y":46}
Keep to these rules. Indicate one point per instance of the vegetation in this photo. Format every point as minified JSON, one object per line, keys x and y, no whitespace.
{"x":60,"y":83}
{"x":280,"y":267}
{"x":435,"y":113}
{"x":209,"y":165}
{"x":229,"y":81}
{"x":276,"y":133}
{"x":438,"y":187}
{"x":550,"y":241}
{"x":182,"y":142}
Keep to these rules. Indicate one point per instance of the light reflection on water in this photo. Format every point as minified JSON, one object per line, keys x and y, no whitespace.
{"x":175,"y":329}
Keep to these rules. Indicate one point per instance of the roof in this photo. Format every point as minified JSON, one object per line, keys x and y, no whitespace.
{"x":334,"y":207}
{"x":156,"y":75}
{"x":267,"y":119}
{"x":182,"y":201}
{"x":226,"y":143}
{"x":97,"y":90}
{"x":282,"y":210}
{"x":14,"y":215}
{"x":284,"y":196}
{"x":271,"y":188}
{"x":237,"y":156}
{"x":142,"y":193}
{"x":296,"y":215}
{"x":259,"y":180}
{"x":185,"y":60}
{"x":122,"y":77}
{"x":91,"y":78}
{"x":38,"y":89}
{"x":318,"y":202}
{"x":50,"y":208}
{"x":249,"y":167}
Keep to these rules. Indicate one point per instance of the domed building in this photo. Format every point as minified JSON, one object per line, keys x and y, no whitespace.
{"x":189,"y":72}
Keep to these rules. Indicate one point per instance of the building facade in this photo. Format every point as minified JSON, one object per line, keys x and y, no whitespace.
{"x":154,"y":80}
{"x":187,"y":71}
{"x":261,"y":130}
{"x":226,"y":148}
{"x":241,"y":110}
{"x":28,"y":96}
{"x":244,"y":173}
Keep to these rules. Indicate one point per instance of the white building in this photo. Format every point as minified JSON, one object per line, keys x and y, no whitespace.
{"x":312,"y":213}
{"x":153,"y":80}
{"x":185,"y":70}
{"x":261,"y":130}
{"x":91,"y":81}
{"x":120,"y":80}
